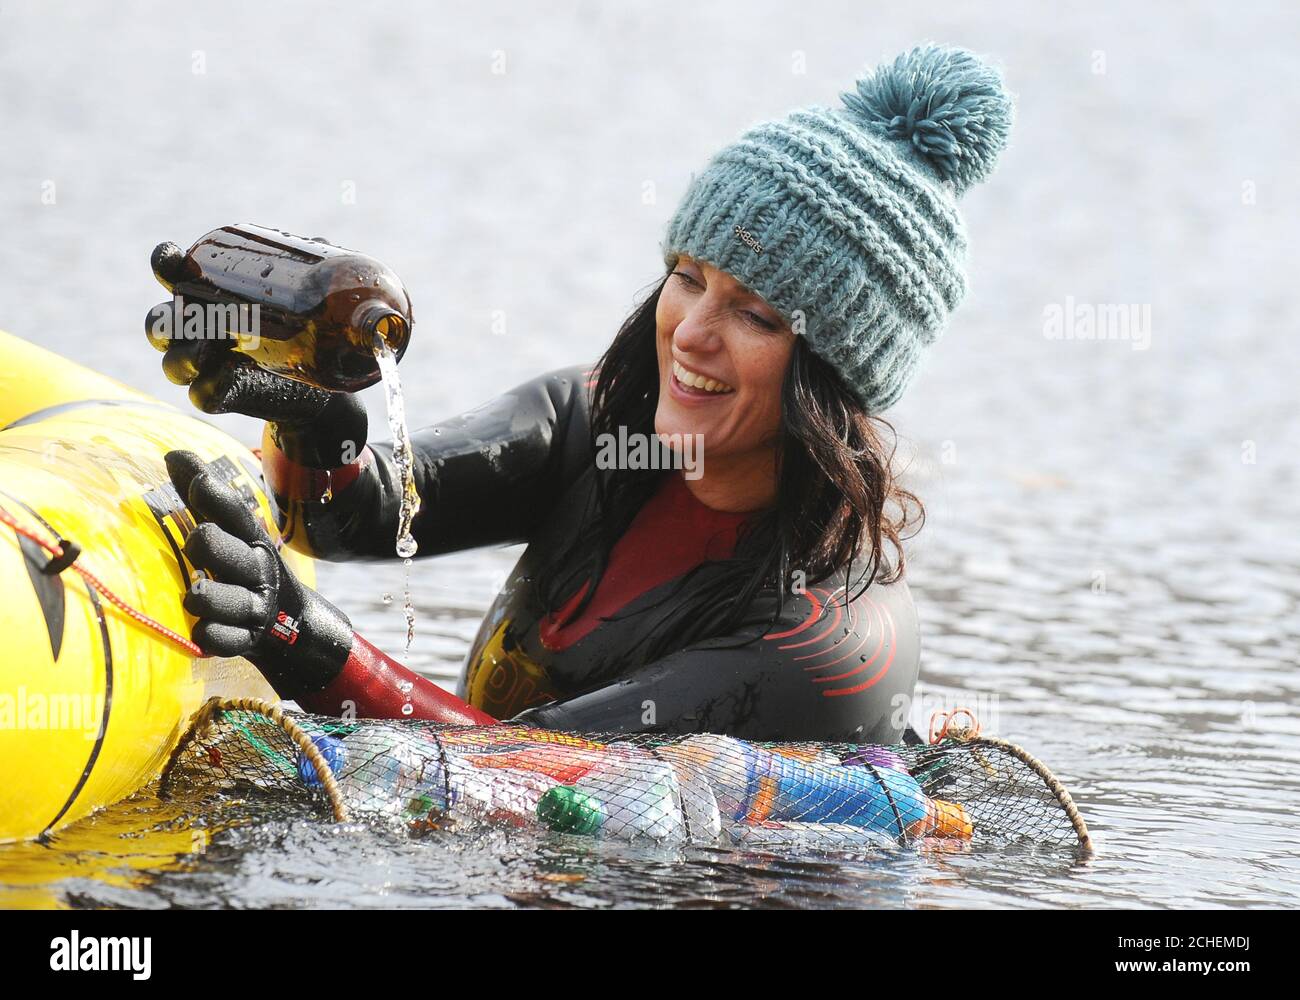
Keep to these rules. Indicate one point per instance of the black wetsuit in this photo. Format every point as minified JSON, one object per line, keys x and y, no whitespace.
{"x":521,"y":468}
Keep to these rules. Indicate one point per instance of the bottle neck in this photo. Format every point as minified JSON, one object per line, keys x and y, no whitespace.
{"x":376,"y":319}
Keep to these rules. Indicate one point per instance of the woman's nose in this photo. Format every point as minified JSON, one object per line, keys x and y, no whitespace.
{"x":700,"y":330}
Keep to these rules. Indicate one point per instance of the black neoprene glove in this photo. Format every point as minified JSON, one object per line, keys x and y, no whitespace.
{"x":252,"y":605}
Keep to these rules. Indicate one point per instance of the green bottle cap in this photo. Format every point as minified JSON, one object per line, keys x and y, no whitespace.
{"x":420,"y":806}
{"x":567,"y":810}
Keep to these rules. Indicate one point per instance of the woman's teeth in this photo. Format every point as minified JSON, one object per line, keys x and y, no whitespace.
{"x":697,"y":381}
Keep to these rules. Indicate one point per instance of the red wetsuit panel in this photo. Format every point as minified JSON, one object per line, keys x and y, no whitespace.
{"x":671,"y":534}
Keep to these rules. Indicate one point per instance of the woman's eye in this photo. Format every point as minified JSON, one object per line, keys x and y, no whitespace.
{"x":686,"y":278}
{"x":759,"y":321}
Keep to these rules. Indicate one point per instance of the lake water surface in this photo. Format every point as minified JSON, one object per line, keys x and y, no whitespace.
{"x":1110,"y":572}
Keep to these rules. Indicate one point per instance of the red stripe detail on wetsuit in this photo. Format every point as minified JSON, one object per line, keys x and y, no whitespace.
{"x":381,"y":688}
{"x":671,"y":534}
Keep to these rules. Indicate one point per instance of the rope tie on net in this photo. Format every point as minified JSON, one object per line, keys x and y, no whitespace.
{"x":970,"y":734}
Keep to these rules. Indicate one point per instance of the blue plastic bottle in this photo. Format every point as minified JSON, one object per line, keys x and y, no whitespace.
{"x":753,"y":784}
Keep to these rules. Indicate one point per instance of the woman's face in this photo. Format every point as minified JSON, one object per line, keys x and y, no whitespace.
{"x":723,"y":353}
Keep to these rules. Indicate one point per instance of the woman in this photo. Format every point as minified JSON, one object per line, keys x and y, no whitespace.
{"x":754,"y":590}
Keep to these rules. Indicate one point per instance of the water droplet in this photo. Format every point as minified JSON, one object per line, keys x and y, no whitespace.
{"x":387,"y":599}
{"x":267,"y":270}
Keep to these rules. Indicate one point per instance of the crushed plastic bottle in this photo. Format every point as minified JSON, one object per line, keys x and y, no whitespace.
{"x":383,"y":773}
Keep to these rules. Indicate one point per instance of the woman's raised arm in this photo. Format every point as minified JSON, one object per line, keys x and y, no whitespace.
{"x":485,"y":477}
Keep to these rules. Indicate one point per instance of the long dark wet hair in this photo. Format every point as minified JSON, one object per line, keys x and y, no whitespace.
{"x":837,"y":500}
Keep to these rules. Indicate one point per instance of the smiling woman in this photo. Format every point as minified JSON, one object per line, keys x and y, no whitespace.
{"x":809,"y":266}
{"x":723,"y":354}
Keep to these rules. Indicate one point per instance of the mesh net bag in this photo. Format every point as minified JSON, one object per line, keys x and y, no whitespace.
{"x":699,"y":789}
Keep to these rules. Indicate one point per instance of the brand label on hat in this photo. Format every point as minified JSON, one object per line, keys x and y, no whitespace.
{"x":747,"y":238}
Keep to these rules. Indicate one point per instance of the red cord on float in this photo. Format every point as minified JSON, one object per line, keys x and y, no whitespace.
{"x":57,"y":552}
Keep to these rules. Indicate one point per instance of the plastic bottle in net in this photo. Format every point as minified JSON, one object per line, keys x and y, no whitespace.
{"x":380,"y":772}
{"x":696,"y":789}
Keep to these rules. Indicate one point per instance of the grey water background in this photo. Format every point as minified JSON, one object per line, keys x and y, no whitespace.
{"x":1109,"y":572}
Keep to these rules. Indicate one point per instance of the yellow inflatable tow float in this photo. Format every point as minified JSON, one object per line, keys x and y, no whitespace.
{"x":92,"y":698}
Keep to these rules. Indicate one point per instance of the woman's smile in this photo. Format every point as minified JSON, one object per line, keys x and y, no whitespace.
{"x":691,"y":384}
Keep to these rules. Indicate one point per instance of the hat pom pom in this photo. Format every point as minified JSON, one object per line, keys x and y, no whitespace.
{"x":950,"y":105}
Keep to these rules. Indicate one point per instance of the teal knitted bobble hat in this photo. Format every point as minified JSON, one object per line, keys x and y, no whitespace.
{"x":845,"y":219}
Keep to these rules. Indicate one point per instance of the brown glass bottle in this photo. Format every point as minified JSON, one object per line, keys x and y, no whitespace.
{"x":318,"y":307}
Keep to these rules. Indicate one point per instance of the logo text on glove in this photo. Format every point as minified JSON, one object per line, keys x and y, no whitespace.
{"x":285,"y":627}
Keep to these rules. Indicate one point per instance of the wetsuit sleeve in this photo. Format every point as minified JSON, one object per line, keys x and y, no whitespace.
{"x":825,"y":672}
{"x":488,"y":476}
